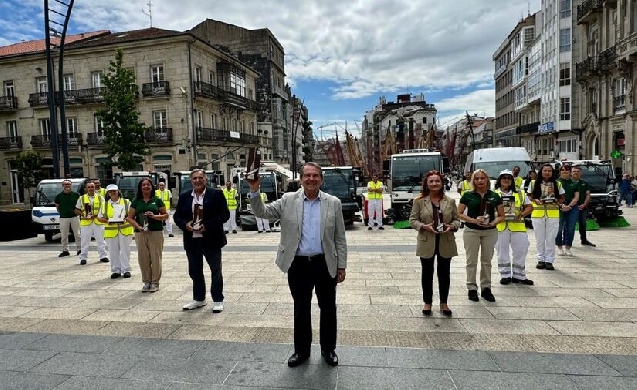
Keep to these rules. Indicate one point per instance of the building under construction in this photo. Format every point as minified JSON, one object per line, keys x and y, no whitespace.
{"x":391,"y":127}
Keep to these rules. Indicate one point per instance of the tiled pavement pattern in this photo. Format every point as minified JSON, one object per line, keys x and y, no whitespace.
{"x":587,"y":306}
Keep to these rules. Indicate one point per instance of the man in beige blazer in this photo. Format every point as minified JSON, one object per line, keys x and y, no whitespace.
{"x":313,"y":252}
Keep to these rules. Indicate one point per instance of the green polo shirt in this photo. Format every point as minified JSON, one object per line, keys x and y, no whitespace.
{"x":154,"y":204}
{"x":67,"y":203}
{"x":570,"y":188}
{"x":472,"y":200}
{"x":583,"y":186}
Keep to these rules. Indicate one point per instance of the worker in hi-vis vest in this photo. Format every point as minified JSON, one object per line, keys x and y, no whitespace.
{"x":118,"y":232}
{"x":465,"y":185}
{"x":375,"y":203}
{"x":166,"y":196}
{"x":231,"y":199}
{"x":517,"y":179}
{"x":87,"y":208}
{"x":512,"y":238}
{"x":99,"y":190}
{"x":263,"y":224}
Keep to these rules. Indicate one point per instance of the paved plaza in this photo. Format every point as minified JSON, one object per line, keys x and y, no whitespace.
{"x":67,"y":325}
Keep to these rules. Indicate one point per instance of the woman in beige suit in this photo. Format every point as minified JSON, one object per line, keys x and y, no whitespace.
{"x":435,"y":217}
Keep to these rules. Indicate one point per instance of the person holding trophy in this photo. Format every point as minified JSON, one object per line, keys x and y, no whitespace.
{"x":146,"y":214}
{"x":547,"y":196}
{"x":480,"y":234}
{"x":512,"y":231}
{"x":435,"y":217}
{"x":117,"y":232}
{"x":87,"y":208}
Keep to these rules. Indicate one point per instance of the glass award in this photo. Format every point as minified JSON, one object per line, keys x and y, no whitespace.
{"x":440,"y":227}
{"x":197,"y":218}
{"x":508,"y":203}
{"x":118,"y":214}
{"x":144,"y":223}
{"x":87,"y":210}
{"x":254,"y":163}
{"x":483,"y":219}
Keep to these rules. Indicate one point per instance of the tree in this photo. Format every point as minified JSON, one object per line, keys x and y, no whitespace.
{"x":308,"y":142}
{"x":124,"y":133}
{"x":29,"y":164}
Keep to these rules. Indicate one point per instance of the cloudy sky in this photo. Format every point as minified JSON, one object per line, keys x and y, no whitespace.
{"x":340,"y":55}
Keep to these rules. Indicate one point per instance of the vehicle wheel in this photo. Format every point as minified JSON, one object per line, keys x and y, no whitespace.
{"x":48,"y":237}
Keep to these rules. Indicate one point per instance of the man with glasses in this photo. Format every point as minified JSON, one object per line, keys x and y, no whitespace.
{"x":65,"y":203}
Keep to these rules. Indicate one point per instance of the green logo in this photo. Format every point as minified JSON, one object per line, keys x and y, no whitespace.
{"x":616,"y":154}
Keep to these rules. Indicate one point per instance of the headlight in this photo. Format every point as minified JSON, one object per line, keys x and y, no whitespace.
{"x":37,"y":213}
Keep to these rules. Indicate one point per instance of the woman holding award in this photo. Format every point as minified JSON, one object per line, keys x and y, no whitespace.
{"x":480,"y":234}
{"x":547,"y":196}
{"x":146,"y":214}
{"x":435,"y":217}
{"x":117,"y":232}
{"x":512,"y":231}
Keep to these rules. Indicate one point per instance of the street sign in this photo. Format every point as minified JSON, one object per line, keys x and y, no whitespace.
{"x":616,"y":154}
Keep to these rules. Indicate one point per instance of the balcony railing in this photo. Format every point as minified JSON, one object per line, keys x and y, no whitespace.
{"x":619,"y":103}
{"x":44,"y":141}
{"x":227,"y":96}
{"x":8,"y":143}
{"x":156,"y":88}
{"x":8,"y":103}
{"x":38,"y":99}
{"x":587,"y":10}
{"x":529,"y":128}
{"x":159,"y":135}
{"x":587,"y":68}
{"x":607,"y":58}
{"x":90,"y":95}
{"x":213,"y":135}
{"x":249,"y":139}
{"x":94,"y":139}
{"x":76,"y":96}
{"x":627,"y":46}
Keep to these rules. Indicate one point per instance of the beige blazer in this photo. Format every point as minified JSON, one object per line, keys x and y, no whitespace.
{"x":289,"y":209}
{"x":422,"y":213}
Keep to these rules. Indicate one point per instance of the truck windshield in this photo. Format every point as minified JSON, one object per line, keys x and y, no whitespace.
{"x":338,"y":182}
{"x":128,"y":185}
{"x":186,"y":185}
{"x":494,"y":168}
{"x":46,"y":192}
{"x":267,"y":184}
{"x":596,"y":176}
{"x":407,"y":172}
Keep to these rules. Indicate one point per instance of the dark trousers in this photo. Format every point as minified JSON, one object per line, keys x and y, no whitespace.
{"x":443,"y":269}
{"x":195,"y":254}
{"x":303,"y":276}
{"x":581,"y":220}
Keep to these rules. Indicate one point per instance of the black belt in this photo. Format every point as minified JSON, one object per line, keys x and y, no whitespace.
{"x":310,"y":258}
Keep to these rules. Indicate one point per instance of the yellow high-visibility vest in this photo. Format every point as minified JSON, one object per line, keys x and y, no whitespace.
{"x":550,"y":210}
{"x":164,"y":196}
{"x":513,"y":226}
{"x":466,"y":186}
{"x":264,"y":197}
{"x":374,"y":185}
{"x":111,"y":230}
{"x":231,"y":198}
{"x":95,"y":208}
{"x":101,"y":192}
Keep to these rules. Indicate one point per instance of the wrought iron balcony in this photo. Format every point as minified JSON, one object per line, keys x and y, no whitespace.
{"x":628,"y":46}
{"x":587,"y":11}
{"x":207,"y":90}
{"x":212,"y":135}
{"x":250,"y":139}
{"x":607,"y":59}
{"x":94,"y":139}
{"x":529,"y":128}
{"x":587,"y":68}
{"x":156,"y":89}
{"x":226,"y":96}
{"x":610,"y":3}
{"x":90,"y":95}
{"x":159,"y":135}
{"x":44,"y":141}
{"x":9,"y":143}
{"x":8,"y":103}
{"x":38,"y":99}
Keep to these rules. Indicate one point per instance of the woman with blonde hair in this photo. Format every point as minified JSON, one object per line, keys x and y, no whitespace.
{"x":480,"y":233}
{"x":435,"y":217}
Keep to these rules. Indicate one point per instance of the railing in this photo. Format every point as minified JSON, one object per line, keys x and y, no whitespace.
{"x":607,"y":58}
{"x":159,"y":135}
{"x":38,"y":99}
{"x":587,"y":9}
{"x":250,"y":139}
{"x":619,"y":103}
{"x":95,"y":139}
{"x":156,"y":88}
{"x":627,"y":46}
{"x":211,"y":135}
{"x":587,"y":68}
{"x":90,"y":95}
{"x":7,"y":143}
{"x":227,"y":96}
{"x":44,"y":141}
{"x":8,"y":103}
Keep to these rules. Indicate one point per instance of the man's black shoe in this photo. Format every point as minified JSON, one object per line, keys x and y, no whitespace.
{"x":260,"y":231}
{"x":549,"y":266}
{"x":78,"y":253}
{"x":297,"y":359}
{"x":225,"y":231}
{"x":473,"y":296}
{"x":540,"y":265}
{"x":234,"y":232}
{"x":487,"y":295}
{"x":82,"y":262}
{"x":506,"y":281}
{"x":64,"y":254}
{"x":115,"y":275}
{"x":171,"y":235}
{"x":127,"y":274}
{"x":104,"y":260}
{"x":330,"y":357}
{"x":527,"y":282}
{"x":369,"y":228}
{"x":588,"y":243}
{"x":381,"y":228}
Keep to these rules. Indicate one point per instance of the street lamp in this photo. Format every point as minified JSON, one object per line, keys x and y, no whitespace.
{"x":296,"y":113}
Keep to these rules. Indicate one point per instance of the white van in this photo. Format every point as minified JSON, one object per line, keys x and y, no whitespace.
{"x":495,"y":160}
{"x":44,"y":216}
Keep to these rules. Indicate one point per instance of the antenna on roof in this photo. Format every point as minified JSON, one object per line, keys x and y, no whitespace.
{"x":528,"y":4}
{"x":150,"y":12}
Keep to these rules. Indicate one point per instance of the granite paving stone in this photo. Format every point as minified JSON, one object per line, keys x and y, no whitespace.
{"x":73,"y":343}
{"x":88,"y":364}
{"x":30,"y":381}
{"x":396,"y":378}
{"x":546,"y":363}
{"x":278,"y":375}
{"x":22,"y":360}
{"x":440,"y":359}
{"x":98,"y":383}
{"x":477,"y":380}
{"x":181,"y":370}
{"x":626,"y":365}
{"x":604,"y":383}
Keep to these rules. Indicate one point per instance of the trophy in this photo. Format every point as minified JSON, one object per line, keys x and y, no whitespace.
{"x":483,"y":219}
{"x":87,"y":211}
{"x":197,"y":218}
{"x":440,"y":227}
{"x":118,"y":214}
{"x":548,"y":197}
{"x":508,"y":202}
{"x":254,"y":162}
{"x":144,"y":223}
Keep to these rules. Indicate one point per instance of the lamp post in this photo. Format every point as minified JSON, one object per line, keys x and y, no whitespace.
{"x":296,"y":113}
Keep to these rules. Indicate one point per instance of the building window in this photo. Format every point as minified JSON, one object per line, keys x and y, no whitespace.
{"x":45,"y":128}
{"x":565,"y":73}
{"x":424,"y":120}
{"x":198,"y":74}
{"x":199,"y":116}
{"x":99,"y":127}
{"x":97,"y":79}
{"x":201,"y":156}
{"x":71,"y":128}
{"x":213,"y":121}
{"x":565,"y":40}
{"x":565,"y":109}
{"x":12,"y":130}
{"x":565,"y":8}
{"x":237,"y":83}
{"x":8,"y":88}
{"x":69,"y":82}
{"x":157,"y":73}
{"x":211,"y":78}
{"x":162,"y":157}
{"x":159,"y":119}
{"x":42,"y":84}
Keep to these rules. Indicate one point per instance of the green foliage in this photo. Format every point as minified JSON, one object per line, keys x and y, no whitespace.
{"x":29,"y":164}
{"x":124,"y":133}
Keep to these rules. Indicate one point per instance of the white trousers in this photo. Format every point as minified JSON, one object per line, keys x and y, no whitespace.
{"x":375,"y":206}
{"x":65,"y":225}
{"x":263,"y":224}
{"x":518,"y":242}
{"x":92,"y":230}
{"x":231,"y":224}
{"x":169,"y":225}
{"x":119,"y":251}
{"x":545,"y":232}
